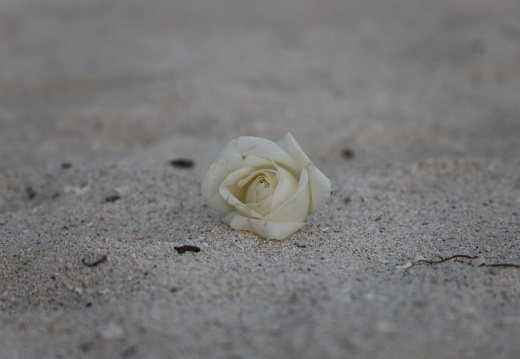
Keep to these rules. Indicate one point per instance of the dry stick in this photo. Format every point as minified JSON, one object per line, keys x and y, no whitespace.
{"x":442,"y":259}
{"x":503,"y":265}
{"x":448,"y":258}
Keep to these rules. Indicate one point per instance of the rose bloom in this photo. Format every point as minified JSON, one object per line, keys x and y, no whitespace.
{"x":265,"y":187}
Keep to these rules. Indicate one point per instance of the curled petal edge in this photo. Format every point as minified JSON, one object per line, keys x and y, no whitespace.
{"x":318,"y":182}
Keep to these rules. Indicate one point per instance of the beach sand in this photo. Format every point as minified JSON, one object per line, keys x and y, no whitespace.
{"x":410,"y":107}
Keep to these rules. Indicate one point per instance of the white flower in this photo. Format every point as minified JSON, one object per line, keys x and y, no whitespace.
{"x":265,"y":187}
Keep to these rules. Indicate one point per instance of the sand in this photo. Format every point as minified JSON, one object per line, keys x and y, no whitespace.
{"x":410,"y":107}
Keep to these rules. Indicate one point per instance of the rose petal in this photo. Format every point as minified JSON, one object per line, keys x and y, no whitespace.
{"x":287,"y":186}
{"x":262,"y":207}
{"x":319,"y":183}
{"x":259,"y":147}
{"x":256,"y":192}
{"x":266,"y":229}
{"x":296,"y":207}
{"x":229,"y":188}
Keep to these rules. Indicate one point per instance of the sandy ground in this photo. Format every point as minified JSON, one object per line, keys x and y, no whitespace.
{"x":98,"y":96}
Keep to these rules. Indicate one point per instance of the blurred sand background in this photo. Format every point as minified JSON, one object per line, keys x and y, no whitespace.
{"x":411,"y":107}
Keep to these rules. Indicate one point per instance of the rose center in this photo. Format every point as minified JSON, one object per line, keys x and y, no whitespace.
{"x":261,"y":187}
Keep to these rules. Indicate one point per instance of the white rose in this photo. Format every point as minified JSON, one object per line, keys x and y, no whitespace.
{"x":265,"y":187}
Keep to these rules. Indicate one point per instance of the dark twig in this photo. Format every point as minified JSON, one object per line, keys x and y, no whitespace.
{"x":95,"y":263}
{"x":442,"y":259}
{"x":503,"y":265}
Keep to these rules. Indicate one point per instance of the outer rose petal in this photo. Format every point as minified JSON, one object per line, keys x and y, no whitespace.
{"x":319,"y":183}
{"x":266,"y":229}
{"x":245,"y":151}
